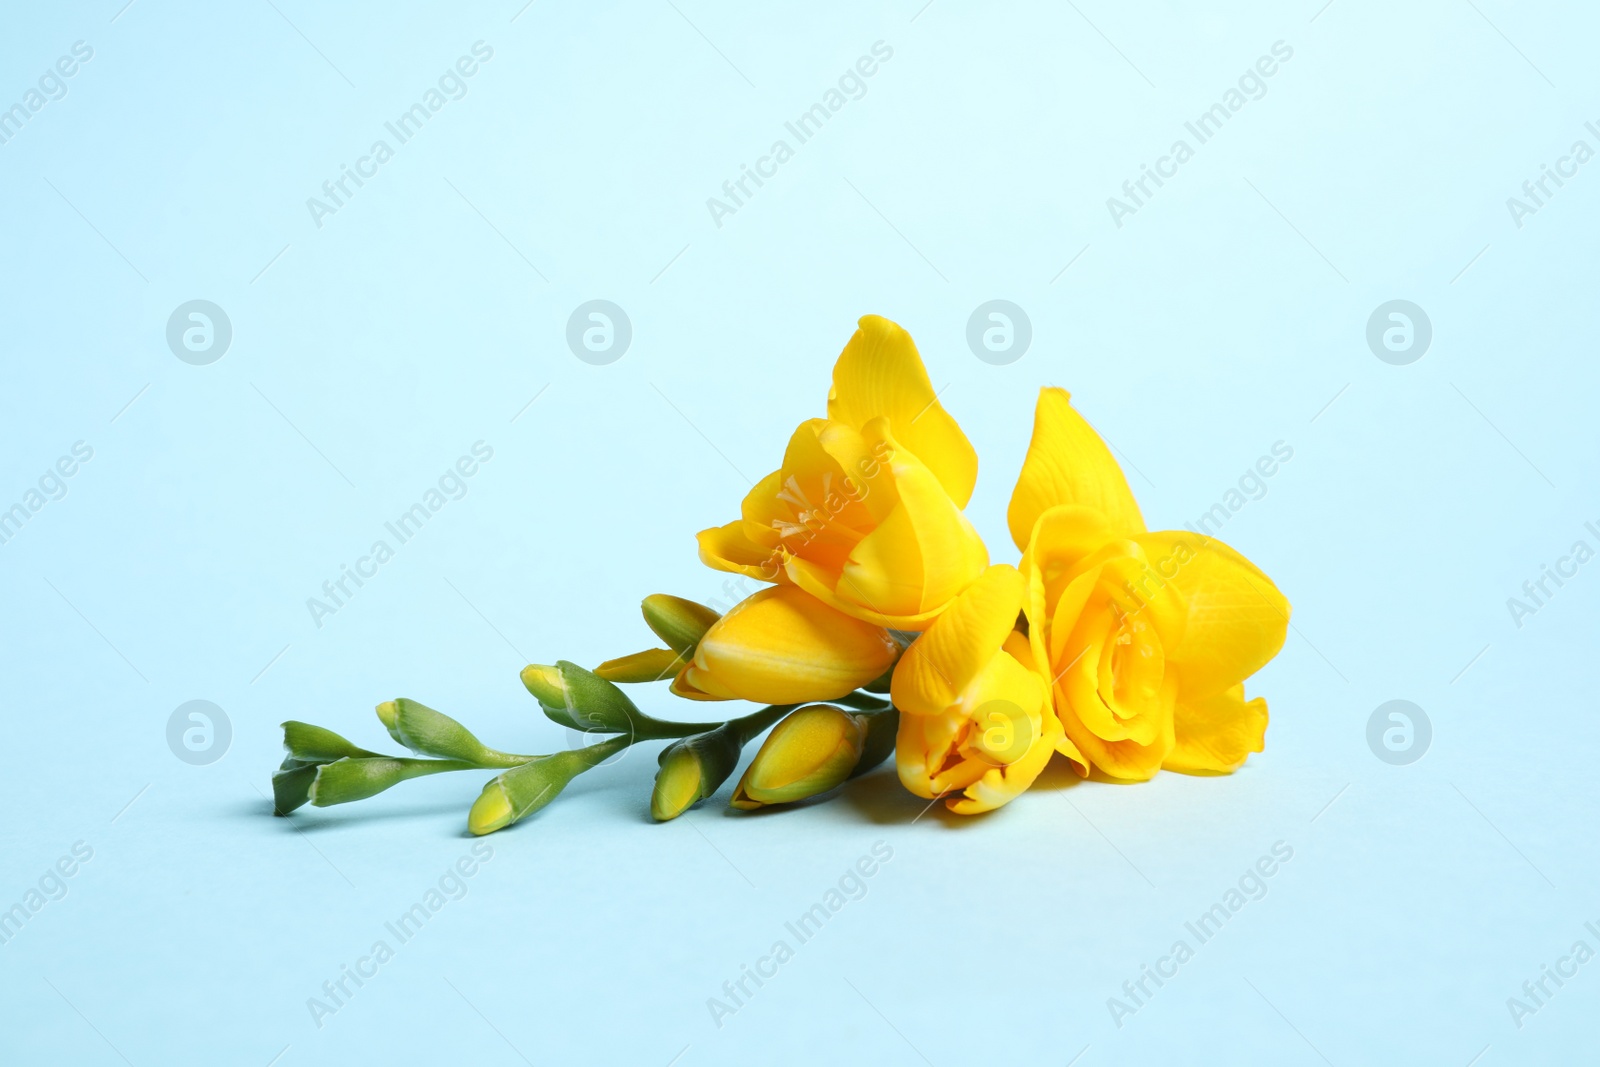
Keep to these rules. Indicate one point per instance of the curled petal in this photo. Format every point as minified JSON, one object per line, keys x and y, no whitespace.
{"x":1215,"y":734}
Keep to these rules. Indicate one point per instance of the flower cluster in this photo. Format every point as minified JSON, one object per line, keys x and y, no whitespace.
{"x":1120,"y":648}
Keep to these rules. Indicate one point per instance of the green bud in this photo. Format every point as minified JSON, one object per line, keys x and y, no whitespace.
{"x":882,"y":726}
{"x":680,"y":783}
{"x":523,"y":790}
{"x":695,"y":767}
{"x":433,"y":733}
{"x":679,"y":622}
{"x":346,"y":780}
{"x":291,"y":785}
{"x":313,"y":744}
{"x":582,"y":700}
{"x":651,"y":665}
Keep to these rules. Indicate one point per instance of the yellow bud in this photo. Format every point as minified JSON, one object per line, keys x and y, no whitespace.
{"x":678,"y":785}
{"x":809,"y":752}
{"x":388,"y":714}
{"x":546,"y":684}
{"x":651,"y":665}
{"x":490,"y":812}
{"x":784,"y":646}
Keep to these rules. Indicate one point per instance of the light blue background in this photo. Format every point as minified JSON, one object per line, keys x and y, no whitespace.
{"x":1227,"y":315}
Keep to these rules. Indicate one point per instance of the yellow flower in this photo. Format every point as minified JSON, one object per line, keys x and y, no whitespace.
{"x":975,"y":717}
{"x":866,"y":512}
{"x":783,"y":646}
{"x":1146,"y":638}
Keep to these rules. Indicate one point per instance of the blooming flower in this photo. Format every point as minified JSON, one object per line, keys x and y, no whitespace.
{"x":975,"y":712}
{"x":865,"y":514}
{"x":1146,"y":637}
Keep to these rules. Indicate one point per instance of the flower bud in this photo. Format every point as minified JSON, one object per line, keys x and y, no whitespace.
{"x":679,"y":622}
{"x":523,"y":790}
{"x":680,"y":783}
{"x":784,"y":646}
{"x":433,"y":733}
{"x":580,"y":699}
{"x":651,"y":665}
{"x":347,"y":780}
{"x":811,"y":751}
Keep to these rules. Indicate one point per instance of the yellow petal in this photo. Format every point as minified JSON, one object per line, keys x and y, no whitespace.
{"x":880,"y":375}
{"x":686,"y":685}
{"x":1014,"y":732}
{"x":783,"y":646}
{"x":940,"y":664}
{"x":651,"y":665}
{"x":1068,"y":463}
{"x":729,"y":548}
{"x":923,"y":554}
{"x":1124,"y":758}
{"x":809,"y":752}
{"x":1237,"y":619}
{"x":1215,"y":734}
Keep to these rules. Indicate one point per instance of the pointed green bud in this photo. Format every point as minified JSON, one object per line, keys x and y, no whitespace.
{"x":582,"y":700}
{"x":291,"y":785}
{"x":545,"y":684}
{"x":882,"y":726}
{"x":433,"y":733}
{"x":348,"y":779}
{"x":651,"y":665}
{"x":693,"y":769}
{"x":313,"y":744}
{"x":679,"y":622}
{"x":523,"y":790}
{"x":680,"y":783}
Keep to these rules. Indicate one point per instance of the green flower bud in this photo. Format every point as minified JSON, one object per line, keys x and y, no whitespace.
{"x":432,"y":733}
{"x":523,"y":790}
{"x":291,"y":785}
{"x":695,"y":767}
{"x":680,"y":783}
{"x":582,"y":700}
{"x":313,"y":744}
{"x":679,"y":622}
{"x":346,"y":780}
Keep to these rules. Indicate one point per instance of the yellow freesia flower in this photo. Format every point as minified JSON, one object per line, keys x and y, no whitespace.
{"x":975,"y":715}
{"x":1146,"y":638}
{"x":865,"y":513}
{"x":784,"y":646}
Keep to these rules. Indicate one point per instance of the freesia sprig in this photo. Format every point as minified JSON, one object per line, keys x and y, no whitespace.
{"x":322,"y":768}
{"x":1118,"y":648}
